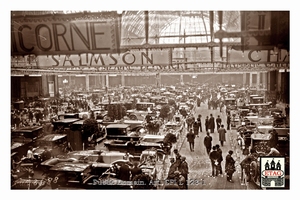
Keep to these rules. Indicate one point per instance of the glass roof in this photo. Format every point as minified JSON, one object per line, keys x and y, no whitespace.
{"x":174,"y":26}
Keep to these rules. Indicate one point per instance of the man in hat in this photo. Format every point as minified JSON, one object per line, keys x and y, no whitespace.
{"x":177,"y":156}
{"x":184,"y":170}
{"x":191,"y":139}
{"x":172,"y":169}
{"x":218,"y":122}
{"x":229,"y":166}
{"x":208,"y":142}
{"x":222,"y":134}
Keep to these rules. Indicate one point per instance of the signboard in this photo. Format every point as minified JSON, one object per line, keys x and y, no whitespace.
{"x":135,"y":58}
{"x":65,"y":34}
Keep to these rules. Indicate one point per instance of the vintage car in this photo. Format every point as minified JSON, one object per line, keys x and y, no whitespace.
{"x":283,"y":135}
{"x":19,"y":146}
{"x":243,"y":110}
{"x":260,"y":143}
{"x":55,"y":143}
{"x":68,"y":175}
{"x":264,"y":125}
{"x":173,"y":127}
{"x":145,"y":142}
{"x":110,"y":178}
{"x":230,"y":104}
{"x":80,"y":140}
{"x":120,"y":131}
{"x":141,"y":110}
{"x":235,"y":119}
{"x":86,"y":156}
{"x":156,"y":141}
{"x":22,"y":138}
{"x":152,"y":161}
{"x":60,"y":125}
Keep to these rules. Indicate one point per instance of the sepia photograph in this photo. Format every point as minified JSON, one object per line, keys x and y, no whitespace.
{"x":147,"y":99}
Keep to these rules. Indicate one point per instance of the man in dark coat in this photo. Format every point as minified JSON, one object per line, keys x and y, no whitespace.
{"x":184,"y":170}
{"x":228,"y":121}
{"x":191,"y":139}
{"x":212,"y":124}
{"x":199,"y":122}
{"x":208,"y":142}
{"x":173,"y":167}
{"x":213,"y":156}
{"x":229,"y":166}
{"x":206,"y":124}
{"x":218,"y":122}
{"x":124,"y":172}
{"x":222,"y":134}
{"x":135,"y":170}
{"x":196,"y":128}
{"x":220,"y":159}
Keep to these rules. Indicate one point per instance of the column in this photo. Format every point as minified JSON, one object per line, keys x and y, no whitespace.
{"x":244,"y":79}
{"x":181,"y":79}
{"x":107,"y":80}
{"x":87,"y":82}
{"x":122,"y":79}
{"x":250,"y":80}
{"x":264,"y":79}
{"x":258,"y":80}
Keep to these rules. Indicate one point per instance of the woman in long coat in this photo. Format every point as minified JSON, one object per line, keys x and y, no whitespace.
{"x":229,"y":166}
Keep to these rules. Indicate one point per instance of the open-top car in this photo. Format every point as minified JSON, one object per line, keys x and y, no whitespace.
{"x":55,"y":143}
{"x":174,"y":127}
{"x":151,"y":161}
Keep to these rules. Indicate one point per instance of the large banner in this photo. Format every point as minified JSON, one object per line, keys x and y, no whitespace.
{"x":65,"y":34}
{"x":135,"y":58}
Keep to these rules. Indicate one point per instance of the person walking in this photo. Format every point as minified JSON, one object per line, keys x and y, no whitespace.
{"x":213,"y":156}
{"x":208,"y":142}
{"x":220,"y":159}
{"x":222,"y":134}
{"x":196,"y":129}
{"x":218,"y":122}
{"x":229,"y":166}
{"x":191,"y":139}
{"x":211,"y":124}
{"x":206,"y":124}
{"x":190,"y":121}
{"x":228,"y":121}
{"x":199,"y":123}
